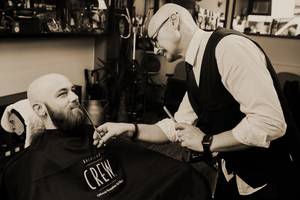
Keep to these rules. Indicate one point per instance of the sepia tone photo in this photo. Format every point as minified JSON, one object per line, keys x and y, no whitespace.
{"x":149,"y":99}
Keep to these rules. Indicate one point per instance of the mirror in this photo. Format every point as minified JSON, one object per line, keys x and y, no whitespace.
{"x":279,"y":18}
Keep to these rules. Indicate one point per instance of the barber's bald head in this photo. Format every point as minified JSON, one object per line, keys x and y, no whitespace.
{"x":166,"y":11}
{"x":53,"y":99}
{"x":171,"y":29}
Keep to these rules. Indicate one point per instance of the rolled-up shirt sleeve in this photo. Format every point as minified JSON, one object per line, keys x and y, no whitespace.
{"x":184,"y":114}
{"x":168,"y":127}
{"x":250,"y":83}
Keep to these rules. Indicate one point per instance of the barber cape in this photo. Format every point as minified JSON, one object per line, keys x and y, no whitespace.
{"x":62,"y":165}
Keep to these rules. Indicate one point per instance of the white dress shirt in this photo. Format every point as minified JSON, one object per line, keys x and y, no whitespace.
{"x":244,"y":74}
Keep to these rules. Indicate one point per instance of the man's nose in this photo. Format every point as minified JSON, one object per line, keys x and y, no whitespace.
{"x":73,"y":97}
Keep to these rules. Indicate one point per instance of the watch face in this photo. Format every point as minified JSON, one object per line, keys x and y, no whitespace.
{"x":206,"y":143}
{"x":207,"y":139}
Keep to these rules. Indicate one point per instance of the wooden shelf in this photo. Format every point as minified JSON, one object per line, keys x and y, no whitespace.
{"x":51,"y":34}
{"x":273,"y":36}
{"x":52,"y":21}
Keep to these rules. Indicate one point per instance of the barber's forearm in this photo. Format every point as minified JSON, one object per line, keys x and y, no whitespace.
{"x":148,"y":133}
{"x":225,"y":141}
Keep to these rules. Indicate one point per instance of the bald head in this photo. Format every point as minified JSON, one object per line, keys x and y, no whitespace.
{"x":166,"y":11}
{"x":41,"y":87}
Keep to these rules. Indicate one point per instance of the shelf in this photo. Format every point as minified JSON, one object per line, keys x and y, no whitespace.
{"x":53,"y":20}
{"x":51,"y":35}
{"x":27,"y":9}
{"x":273,"y":36}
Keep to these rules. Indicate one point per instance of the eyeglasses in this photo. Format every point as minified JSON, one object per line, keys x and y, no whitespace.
{"x":158,"y":50}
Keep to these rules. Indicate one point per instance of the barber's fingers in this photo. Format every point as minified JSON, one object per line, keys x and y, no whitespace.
{"x":183,"y":144}
{"x":98,"y":138}
{"x":103,"y":128}
{"x":100,"y":131}
{"x":98,"y":134}
{"x":105,"y":138}
{"x":181,"y":126}
{"x":100,"y":143}
{"x":180,"y":134}
{"x":95,"y":142}
{"x":178,"y":126}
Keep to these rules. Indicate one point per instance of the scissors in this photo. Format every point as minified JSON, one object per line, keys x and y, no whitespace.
{"x":90,"y":119}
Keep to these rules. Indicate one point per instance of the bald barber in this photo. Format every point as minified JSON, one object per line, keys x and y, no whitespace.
{"x":233,"y":107}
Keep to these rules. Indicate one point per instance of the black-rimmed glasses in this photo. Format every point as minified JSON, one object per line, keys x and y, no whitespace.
{"x":158,"y":50}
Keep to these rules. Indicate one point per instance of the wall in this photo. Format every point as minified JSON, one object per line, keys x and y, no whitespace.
{"x":213,"y":5}
{"x":23,"y":59}
{"x":283,"y":53}
{"x":100,"y":51}
{"x":283,"y":8}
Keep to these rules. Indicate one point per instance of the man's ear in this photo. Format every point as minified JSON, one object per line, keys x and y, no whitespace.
{"x":39,"y":109}
{"x":174,"y":20}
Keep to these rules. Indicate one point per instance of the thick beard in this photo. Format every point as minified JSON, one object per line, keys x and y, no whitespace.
{"x":67,"y":120}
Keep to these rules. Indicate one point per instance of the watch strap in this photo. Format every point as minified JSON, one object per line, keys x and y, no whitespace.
{"x":206,"y":143}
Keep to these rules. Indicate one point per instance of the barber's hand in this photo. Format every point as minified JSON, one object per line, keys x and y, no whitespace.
{"x":189,"y":136}
{"x":108,"y":131}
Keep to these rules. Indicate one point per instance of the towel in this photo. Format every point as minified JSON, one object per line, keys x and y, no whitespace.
{"x":20,"y":117}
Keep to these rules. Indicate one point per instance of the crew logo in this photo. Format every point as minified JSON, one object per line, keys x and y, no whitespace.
{"x":101,"y":173}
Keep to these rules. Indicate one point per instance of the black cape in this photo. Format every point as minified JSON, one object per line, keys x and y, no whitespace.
{"x":65,"y":166}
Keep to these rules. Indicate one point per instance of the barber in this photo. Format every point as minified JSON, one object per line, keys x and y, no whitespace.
{"x":233,"y":106}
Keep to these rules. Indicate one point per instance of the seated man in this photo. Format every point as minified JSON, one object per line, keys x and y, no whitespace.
{"x":62,"y":163}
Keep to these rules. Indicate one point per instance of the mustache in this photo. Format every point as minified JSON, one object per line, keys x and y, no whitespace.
{"x":75,"y":105}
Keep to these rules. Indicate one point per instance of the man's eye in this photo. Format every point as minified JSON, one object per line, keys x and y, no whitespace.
{"x":62,"y":94}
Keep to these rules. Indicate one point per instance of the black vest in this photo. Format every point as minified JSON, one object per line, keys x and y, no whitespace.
{"x":218,"y":111}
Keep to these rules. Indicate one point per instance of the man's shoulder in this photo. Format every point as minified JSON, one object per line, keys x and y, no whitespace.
{"x":19,"y":160}
{"x":233,"y":40}
{"x":233,"y":45}
{"x":17,"y":171}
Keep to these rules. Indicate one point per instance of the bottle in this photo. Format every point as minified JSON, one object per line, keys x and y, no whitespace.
{"x":16,"y":27}
{"x":2,"y":22}
{"x":27,"y":4}
{"x":10,"y":3}
{"x":274,"y":26}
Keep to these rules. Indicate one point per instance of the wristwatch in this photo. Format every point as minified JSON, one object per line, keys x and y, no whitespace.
{"x":206,"y":143}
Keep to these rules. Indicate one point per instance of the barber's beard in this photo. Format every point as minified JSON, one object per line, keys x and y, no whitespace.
{"x":67,"y":120}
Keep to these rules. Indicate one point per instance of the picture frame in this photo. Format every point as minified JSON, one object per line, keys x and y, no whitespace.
{"x":260,"y":7}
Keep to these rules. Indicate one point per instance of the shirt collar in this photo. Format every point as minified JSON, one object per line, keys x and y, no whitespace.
{"x":193,"y":47}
